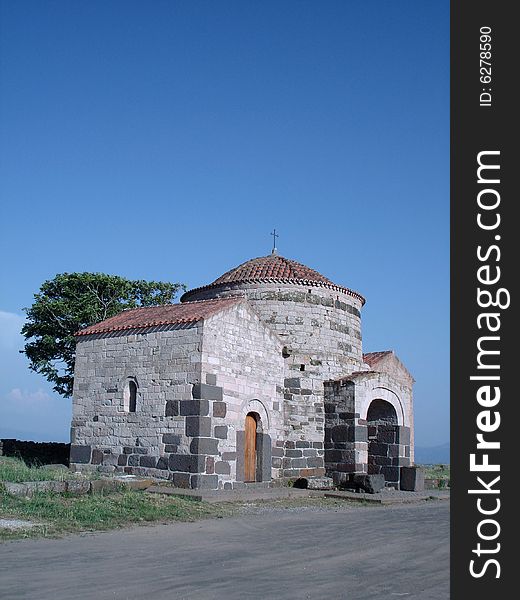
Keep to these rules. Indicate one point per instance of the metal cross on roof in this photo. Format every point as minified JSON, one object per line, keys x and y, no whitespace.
{"x":275,"y":235}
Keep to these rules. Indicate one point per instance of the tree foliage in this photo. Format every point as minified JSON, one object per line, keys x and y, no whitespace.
{"x":73,"y":301}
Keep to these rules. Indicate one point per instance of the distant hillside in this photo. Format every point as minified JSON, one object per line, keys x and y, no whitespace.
{"x":433,"y":455}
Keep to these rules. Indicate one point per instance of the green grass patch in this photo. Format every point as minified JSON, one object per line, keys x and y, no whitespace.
{"x":57,"y":514}
{"x":16,"y":471}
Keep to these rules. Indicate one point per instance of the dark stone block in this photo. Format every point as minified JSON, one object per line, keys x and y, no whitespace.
{"x":80,"y":454}
{"x":393,"y":450}
{"x":290,"y":445}
{"x":203,"y":391}
{"x":171,"y":438}
{"x":194,"y":407}
{"x":377,"y":449}
{"x":204,"y":482}
{"x":198,"y":426}
{"x":172,"y":408}
{"x":229,"y":455}
{"x":343,"y":433}
{"x":292,"y":382}
{"x":219,"y":409}
{"x":334,"y":456}
{"x":404,"y":436}
{"x":277,"y":451}
{"x":210,"y":465}
{"x":293,"y":453}
{"x":181,"y":480}
{"x":97,"y":457}
{"x":329,"y":408}
{"x":121,"y":460}
{"x":187,"y":463}
{"x":346,"y":467}
{"x":162,"y":463}
{"x":315,"y":462}
{"x":412,"y":479}
{"x":211,"y":379}
{"x":128,"y":450}
{"x":222,"y":468}
{"x":148,"y":462}
{"x":169,"y":448}
{"x":133,"y":460}
{"x":317,"y":445}
{"x":139,"y":450}
{"x":221,"y":432}
{"x":310,"y":452}
{"x":369,"y":483}
{"x":204,"y":446}
{"x":276,"y":462}
{"x":383,"y":461}
{"x":263,"y":467}
{"x":386,"y":435}
{"x":301,"y":444}
{"x":391,"y":474}
{"x":299,"y":463}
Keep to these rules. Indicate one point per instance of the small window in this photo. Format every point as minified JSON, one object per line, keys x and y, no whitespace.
{"x":130,"y":396}
{"x":133,"y":396}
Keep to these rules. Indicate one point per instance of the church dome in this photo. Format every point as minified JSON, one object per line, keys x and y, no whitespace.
{"x":271,"y":269}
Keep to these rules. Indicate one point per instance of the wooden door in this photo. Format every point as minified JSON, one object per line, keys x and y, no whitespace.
{"x":250,"y":449}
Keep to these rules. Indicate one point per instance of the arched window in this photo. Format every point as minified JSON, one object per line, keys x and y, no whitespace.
{"x":133,"y":396}
{"x":130,"y":396}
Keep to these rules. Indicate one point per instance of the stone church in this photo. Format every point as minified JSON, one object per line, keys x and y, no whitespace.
{"x":257,"y":377}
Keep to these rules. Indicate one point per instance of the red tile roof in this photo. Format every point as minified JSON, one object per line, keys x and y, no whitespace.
{"x":166,"y":314}
{"x":272,"y":269}
{"x":372,"y":358}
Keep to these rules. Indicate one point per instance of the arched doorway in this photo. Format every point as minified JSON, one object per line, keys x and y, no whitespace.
{"x":251,"y":447}
{"x":383,"y":441}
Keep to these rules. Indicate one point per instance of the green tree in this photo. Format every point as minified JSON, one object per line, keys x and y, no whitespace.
{"x":72,"y":301}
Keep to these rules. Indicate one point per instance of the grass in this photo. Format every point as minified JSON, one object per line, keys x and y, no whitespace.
{"x":16,"y":471}
{"x":57,"y":514}
{"x":440,"y":472}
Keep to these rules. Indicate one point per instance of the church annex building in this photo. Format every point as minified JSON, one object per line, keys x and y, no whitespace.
{"x":257,"y":377}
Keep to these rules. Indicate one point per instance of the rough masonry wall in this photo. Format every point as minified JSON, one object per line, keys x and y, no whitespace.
{"x":164,"y":364}
{"x":244,"y":358}
{"x":353,"y":444}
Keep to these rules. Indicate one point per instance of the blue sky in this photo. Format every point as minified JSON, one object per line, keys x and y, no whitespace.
{"x":165,"y":140}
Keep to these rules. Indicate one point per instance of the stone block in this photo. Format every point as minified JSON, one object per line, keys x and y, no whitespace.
{"x":221,"y":432}
{"x":171,"y":448}
{"x":222,"y":468}
{"x":133,"y":460}
{"x":391,"y":474}
{"x":204,"y":482}
{"x":187,"y":463}
{"x":229,"y":455}
{"x":210,"y":465}
{"x":378,"y":449}
{"x":181,"y":480}
{"x":122,"y":460}
{"x":194,"y":407}
{"x":171,"y":438}
{"x":80,"y":454}
{"x":293,"y":453}
{"x":371,"y":484}
{"x":207,"y":392}
{"x":148,"y":461}
{"x":211,"y":379}
{"x":198,"y":426}
{"x":172,"y":408}
{"x":404,"y":436}
{"x":219,"y":409}
{"x":342,"y":433}
{"x":162,"y":463}
{"x":97,"y":457}
{"x":292,"y":382}
{"x":204,"y":446}
{"x":78,"y":487}
{"x":412,"y":479}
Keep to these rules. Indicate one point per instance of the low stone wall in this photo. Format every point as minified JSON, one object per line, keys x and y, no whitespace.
{"x":36,"y":453}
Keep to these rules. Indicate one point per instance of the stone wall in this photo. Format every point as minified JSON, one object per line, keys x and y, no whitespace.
{"x":353,"y":444}
{"x":165,"y":365}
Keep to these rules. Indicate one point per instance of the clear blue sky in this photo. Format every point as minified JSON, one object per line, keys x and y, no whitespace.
{"x":165,"y":139}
